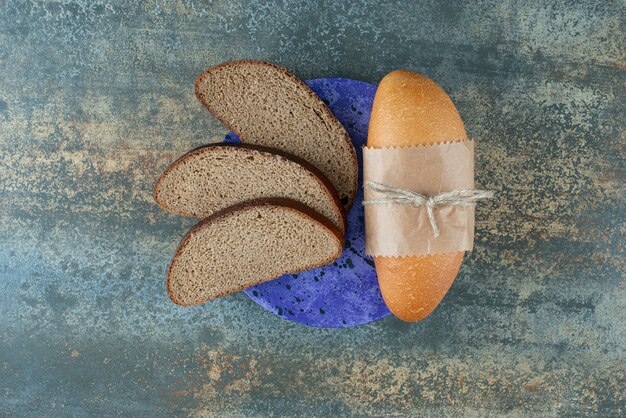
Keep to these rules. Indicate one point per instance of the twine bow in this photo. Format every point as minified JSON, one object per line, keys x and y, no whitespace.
{"x":394,"y":195}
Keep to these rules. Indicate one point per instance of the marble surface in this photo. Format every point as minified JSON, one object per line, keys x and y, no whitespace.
{"x":96,"y":98}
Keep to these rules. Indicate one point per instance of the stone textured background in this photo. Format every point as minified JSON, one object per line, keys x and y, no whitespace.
{"x":96,"y":98}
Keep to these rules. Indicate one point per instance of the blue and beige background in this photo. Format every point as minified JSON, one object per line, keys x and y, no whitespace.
{"x":96,"y":98}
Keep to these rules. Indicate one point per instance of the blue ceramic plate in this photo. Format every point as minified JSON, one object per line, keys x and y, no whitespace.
{"x":345,"y":293}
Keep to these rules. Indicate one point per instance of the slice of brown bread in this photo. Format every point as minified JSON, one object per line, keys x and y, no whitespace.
{"x":248,"y":244}
{"x":214,"y":177}
{"x":266,"y":105}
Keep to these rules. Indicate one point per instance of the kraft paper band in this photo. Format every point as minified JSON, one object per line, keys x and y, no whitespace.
{"x":402,"y":230}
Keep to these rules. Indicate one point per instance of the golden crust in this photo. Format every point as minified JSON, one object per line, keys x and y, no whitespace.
{"x":410,"y":109}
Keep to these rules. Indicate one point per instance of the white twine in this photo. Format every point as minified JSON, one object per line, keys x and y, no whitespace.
{"x":394,"y":195}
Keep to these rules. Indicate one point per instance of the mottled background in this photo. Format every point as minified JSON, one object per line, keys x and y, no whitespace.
{"x":96,"y":98}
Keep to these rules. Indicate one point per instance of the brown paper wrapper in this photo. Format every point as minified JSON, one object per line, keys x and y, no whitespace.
{"x":402,"y":230}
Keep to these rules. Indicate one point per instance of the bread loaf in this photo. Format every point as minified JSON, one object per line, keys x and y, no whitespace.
{"x":410,"y":109}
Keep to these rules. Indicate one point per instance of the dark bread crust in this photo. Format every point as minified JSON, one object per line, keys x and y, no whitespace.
{"x":327,"y":185}
{"x":297,"y":207}
{"x":329,"y":117}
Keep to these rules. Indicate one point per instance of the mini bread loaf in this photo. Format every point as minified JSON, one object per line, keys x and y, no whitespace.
{"x":214,"y":177}
{"x":266,"y":105}
{"x":410,"y":109}
{"x":249,"y":244}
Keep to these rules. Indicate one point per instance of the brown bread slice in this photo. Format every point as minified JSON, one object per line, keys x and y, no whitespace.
{"x":266,"y":105}
{"x":214,"y":177}
{"x":249,"y":244}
